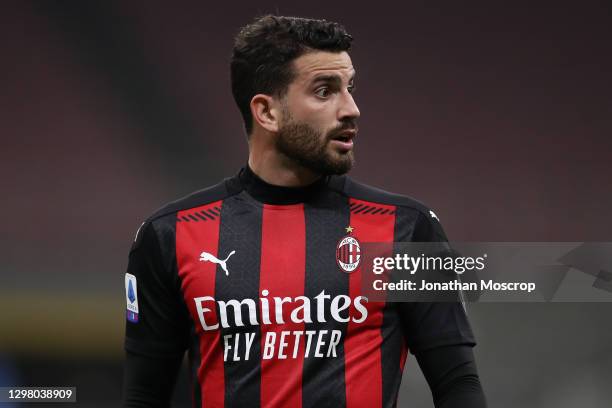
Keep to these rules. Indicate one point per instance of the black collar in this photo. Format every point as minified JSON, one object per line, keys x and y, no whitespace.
{"x":278,"y":195}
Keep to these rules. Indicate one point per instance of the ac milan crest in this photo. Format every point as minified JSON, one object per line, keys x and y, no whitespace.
{"x":348,"y":254}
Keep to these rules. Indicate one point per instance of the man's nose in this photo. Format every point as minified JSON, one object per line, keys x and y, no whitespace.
{"x":349,"y":109}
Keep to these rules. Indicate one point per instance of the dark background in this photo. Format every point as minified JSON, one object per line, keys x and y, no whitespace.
{"x":499,"y":117}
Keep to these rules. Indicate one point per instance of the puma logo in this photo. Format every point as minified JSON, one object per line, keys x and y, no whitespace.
{"x":206,"y":257}
{"x":433,"y":215}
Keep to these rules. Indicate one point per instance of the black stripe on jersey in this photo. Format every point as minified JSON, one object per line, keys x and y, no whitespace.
{"x":324,"y":377}
{"x":195,"y":359}
{"x":217,"y":192}
{"x":391,"y":331}
{"x":360,"y":209}
{"x":405,"y":223}
{"x":390,"y":354}
{"x":201,"y":217}
{"x":349,"y":187}
{"x":369,"y":210}
{"x":240,"y":231}
{"x":354,"y":207}
{"x":209,"y":214}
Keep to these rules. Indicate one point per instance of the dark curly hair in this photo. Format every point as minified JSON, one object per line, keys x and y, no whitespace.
{"x":264,"y":49}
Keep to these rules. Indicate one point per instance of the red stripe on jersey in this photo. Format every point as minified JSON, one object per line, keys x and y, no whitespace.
{"x":283,"y":264}
{"x":198,"y":280}
{"x":363,"y":368}
{"x":403,"y":355}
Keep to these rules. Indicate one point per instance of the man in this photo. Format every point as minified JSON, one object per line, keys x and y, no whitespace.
{"x":248,"y":274}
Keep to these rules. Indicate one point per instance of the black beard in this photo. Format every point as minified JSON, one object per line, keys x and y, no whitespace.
{"x":304,"y":145}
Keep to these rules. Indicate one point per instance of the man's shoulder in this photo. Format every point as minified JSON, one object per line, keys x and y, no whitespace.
{"x":361,"y":191}
{"x":164,"y":218}
{"x":199,"y":198}
{"x":425,"y":222}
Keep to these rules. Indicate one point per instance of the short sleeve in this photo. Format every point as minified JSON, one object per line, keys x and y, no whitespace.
{"x":434,"y":324}
{"x":157,"y":320}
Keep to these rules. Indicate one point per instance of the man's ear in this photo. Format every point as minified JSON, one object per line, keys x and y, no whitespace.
{"x":266,"y":112}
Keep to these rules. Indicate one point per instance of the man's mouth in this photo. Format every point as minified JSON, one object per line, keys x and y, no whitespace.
{"x":346,"y":135}
{"x":344,"y":140}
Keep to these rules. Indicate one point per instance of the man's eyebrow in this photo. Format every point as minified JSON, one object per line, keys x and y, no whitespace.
{"x":330,"y":78}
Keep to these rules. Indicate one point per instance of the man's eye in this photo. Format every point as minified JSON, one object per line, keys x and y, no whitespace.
{"x":322,"y":92}
{"x":351,"y":88}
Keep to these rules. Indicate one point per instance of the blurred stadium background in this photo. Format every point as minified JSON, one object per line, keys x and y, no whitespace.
{"x":498,"y":117}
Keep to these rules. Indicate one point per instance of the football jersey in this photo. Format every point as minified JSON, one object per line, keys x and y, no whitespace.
{"x":249,"y":278}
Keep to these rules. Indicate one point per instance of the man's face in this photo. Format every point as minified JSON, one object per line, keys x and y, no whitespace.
{"x":319,"y":114}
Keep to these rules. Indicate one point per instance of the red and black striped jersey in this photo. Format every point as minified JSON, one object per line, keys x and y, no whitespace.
{"x":245,"y":276}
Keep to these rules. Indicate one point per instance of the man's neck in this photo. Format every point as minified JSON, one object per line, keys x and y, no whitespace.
{"x":280,"y":171}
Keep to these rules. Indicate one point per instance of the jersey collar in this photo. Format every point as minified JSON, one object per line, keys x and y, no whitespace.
{"x":277,"y":195}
